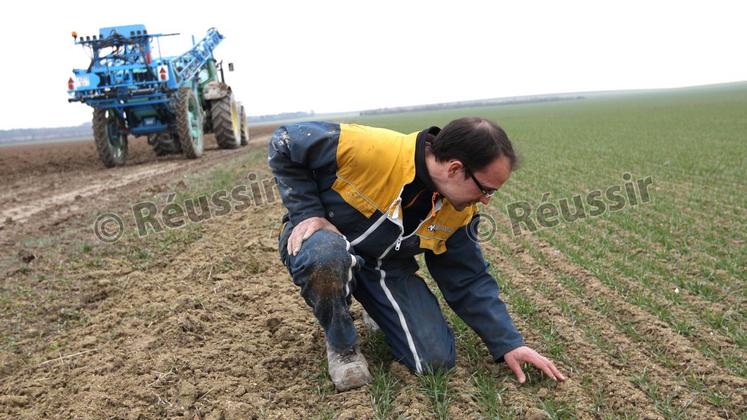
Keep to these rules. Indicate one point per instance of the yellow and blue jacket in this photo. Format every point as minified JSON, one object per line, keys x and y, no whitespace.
{"x":354,"y":176}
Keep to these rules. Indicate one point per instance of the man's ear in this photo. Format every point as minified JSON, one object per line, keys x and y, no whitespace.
{"x":455,"y":166}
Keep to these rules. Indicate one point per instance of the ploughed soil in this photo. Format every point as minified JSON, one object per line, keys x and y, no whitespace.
{"x":203,"y":321}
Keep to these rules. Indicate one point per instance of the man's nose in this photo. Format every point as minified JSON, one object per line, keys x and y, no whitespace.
{"x":485,"y":200}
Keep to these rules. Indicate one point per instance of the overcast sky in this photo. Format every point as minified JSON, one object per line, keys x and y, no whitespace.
{"x":350,"y":55}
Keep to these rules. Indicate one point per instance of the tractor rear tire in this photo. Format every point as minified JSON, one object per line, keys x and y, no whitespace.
{"x":110,"y":138}
{"x":244,"y":127}
{"x":225,"y":117}
{"x":189,"y":123}
{"x":165,"y":144}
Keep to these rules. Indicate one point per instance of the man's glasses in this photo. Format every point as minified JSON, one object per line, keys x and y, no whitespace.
{"x":487,"y":193}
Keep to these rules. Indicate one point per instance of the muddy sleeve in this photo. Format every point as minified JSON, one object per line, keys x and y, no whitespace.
{"x":462,"y":274}
{"x":296,"y":153}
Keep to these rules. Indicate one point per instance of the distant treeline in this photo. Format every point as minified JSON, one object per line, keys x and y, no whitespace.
{"x":279,"y":117}
{"x":23,"y":135}
{"x":471,"y":104}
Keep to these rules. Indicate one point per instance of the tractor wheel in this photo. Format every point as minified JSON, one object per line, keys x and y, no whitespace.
{"x":165,"y":144}
{"x":110,"y":138}
{"x":225,"y":117}
{"x":189,"y":123}
{"x":244,"y":127}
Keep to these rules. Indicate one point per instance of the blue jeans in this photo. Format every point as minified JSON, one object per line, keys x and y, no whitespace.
{"x":400,"y":302}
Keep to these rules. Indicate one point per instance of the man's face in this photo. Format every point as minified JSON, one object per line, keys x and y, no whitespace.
{"x":462,"y":190}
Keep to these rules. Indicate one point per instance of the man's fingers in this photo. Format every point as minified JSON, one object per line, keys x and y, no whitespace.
{"x":298,"y":240}
{"x":556,"y":371}
{"x":301,"y":233}
{"x":524,"y":354}
{"x":541,"y":363}
{"x":294,"y":241}
{"x":516,"y":368}
{"x":304,"y":230}
{"x":333,"y":228}
{"x":546,"y":368}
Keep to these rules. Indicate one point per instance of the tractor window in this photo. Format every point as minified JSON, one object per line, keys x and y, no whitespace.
{"x":204,"y":75}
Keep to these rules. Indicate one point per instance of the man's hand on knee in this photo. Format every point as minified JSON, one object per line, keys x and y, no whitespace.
{"x":520,"y":355}
{"x":305,"y":229}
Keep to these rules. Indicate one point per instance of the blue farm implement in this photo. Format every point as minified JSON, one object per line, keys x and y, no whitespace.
{"x":174,"y":101}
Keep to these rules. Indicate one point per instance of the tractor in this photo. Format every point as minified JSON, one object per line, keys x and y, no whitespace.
{"x":174,"y":101}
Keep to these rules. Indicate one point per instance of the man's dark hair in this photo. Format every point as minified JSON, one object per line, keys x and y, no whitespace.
{"x":473,"y":141}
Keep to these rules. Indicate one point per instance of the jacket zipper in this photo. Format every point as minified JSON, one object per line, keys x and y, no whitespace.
{"x":402,"y":231}
{"x":431,"y":215}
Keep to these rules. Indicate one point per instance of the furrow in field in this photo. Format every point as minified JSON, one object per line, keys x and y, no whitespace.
{"x":593,"y":302}
{"x":584,"y":360}
{"x":650,"y":220}
{"x":649,"y":327}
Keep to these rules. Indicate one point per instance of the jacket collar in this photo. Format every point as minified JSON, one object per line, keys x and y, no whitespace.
{"x":421,"y":169}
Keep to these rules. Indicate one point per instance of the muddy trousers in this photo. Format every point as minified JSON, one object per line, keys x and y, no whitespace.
{"x":398,"y":300}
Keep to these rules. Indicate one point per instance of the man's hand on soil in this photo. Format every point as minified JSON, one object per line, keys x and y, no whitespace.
{"x":305,"y":229}
{"x":520,"y":355}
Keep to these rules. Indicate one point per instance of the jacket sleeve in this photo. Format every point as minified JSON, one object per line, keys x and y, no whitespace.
{"x":295,"y":153}
{"x":461,"y":273}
